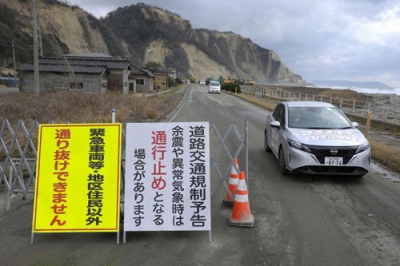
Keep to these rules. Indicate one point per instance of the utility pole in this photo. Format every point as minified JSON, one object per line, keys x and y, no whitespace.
{"x":40,"y":35}
{"x":15,"y":69}
{"x":35,"y":51}
{"x":166,"y":80}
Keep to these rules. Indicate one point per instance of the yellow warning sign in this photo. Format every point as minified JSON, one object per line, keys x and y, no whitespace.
{"x":77,"y":185}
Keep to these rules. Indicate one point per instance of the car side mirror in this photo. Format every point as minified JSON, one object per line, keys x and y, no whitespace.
{"x":355,"y":124}
{"x":275,"y":124}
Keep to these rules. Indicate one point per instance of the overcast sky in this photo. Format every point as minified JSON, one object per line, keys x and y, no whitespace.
{"x":355,"y":40}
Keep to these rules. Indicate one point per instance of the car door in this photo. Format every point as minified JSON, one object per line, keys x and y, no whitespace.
{"x":278,"y":115}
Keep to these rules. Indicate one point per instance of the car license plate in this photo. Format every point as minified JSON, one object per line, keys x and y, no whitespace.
{"x":333,"y":160}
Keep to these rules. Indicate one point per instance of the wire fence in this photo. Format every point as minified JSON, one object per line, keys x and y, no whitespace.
{"x":18,"y":156}
{"x":383,"y":107}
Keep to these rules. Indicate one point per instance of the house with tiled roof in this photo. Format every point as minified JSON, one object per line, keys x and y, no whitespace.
{"x":161,"y":77}
{"x":86,"y":72}
{"x":62,"y":77}
{"x":142,"y":80}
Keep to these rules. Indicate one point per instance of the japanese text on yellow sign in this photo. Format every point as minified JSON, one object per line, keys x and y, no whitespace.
{"x":78,"y":178}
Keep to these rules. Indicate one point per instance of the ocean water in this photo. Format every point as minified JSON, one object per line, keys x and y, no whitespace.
{"x":394,"y":91}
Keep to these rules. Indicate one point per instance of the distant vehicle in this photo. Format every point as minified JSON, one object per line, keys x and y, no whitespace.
{"x":249,"y":81}
{"x":316,"y":138}
{"x":229,"y":80}
{"x":193,"y":80}
{"x":239,"y":81}
{"x":214,"y":87}
{"x":202,"y":83}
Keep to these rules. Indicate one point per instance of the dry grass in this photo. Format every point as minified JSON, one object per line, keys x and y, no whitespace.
{"x":385,"y":155}
{"x":78,"y":107}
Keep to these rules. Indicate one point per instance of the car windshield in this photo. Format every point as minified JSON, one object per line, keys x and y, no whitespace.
{"x":317,"y":118}
{"x":214,"y":84}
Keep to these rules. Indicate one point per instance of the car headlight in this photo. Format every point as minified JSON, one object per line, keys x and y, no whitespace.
{"x":363,"y":147}
{"x":298,"y":145}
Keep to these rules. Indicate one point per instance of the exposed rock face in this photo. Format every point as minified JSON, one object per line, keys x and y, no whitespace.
{"x":244,"y":58}
{"x":147,"y":33}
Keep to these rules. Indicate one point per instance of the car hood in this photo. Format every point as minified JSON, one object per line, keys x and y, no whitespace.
{"x":328,"y":137}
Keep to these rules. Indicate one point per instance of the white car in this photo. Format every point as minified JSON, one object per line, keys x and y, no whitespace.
{"x":202,"y":83}
{"x":316,"y":138}
{"x":214,"y":87}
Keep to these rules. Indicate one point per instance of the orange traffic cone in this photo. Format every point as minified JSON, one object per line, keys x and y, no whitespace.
{"x":232,"y":185}
{"x":241,"y":214}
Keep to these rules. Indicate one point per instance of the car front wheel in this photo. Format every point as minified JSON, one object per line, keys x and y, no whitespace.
{"x":282,"y":164}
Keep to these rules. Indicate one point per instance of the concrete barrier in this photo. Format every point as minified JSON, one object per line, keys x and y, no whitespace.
{"x":5,"y":90}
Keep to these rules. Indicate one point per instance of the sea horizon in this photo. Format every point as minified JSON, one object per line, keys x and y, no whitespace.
{"x":393,"y":91}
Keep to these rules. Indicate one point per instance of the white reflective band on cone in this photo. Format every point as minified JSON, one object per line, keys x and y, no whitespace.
{"x":241,"y":198}
{"x":234,"y":181}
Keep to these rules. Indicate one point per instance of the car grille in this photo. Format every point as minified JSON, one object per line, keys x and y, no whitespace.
{"x":331,"y":170}
{"x":325,"y":151}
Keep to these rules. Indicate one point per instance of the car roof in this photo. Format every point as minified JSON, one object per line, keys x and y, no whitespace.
{"x":307,"y":104}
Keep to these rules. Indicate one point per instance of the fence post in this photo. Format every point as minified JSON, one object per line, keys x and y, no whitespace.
{"x":300,"y":96}
{"x":10,"y":174}
{"x":341,"y":103}
{"x":354,"y":105}
{"x":368,"y":125}
{"x":10,"y":182}
{"x":113,"y":115}
{"x":386,"y":113}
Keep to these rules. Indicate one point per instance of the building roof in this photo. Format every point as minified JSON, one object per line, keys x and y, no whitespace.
{"x":89,"y":56}
{"x":160,"y":70}
{"x":110,"y":63}
{"x":141,"y":71}
{"x":64,"y":68}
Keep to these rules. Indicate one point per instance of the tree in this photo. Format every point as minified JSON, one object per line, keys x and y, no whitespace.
{"x":171,"y":82}
{"x":152,"y":64}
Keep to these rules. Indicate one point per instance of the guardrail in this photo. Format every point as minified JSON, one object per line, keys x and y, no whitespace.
{"x":387,"y":109}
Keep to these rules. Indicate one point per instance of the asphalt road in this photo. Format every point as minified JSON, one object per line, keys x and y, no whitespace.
{"x":299,"y":220}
